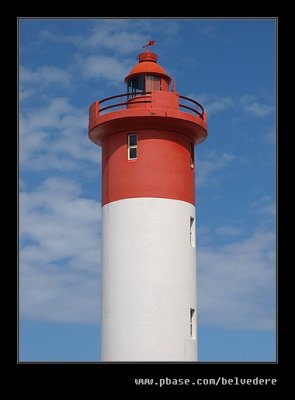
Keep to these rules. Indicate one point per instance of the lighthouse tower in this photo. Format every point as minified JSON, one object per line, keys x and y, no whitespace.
{"x":147,"y":135}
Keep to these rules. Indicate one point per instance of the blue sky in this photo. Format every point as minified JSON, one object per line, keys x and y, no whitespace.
{"x":229,"y":67}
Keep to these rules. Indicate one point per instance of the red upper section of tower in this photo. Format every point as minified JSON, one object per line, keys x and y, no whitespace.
{"x":148,"y":103}
{"x":165,"y":126}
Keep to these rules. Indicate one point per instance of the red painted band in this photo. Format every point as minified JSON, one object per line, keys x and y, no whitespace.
{"x":162,"y":168}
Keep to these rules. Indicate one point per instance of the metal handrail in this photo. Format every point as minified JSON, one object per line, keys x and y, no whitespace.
{"x":120,"y":104}
{"x":195,"y":110}
{"x":191,"y":109}
{"x":121,"y":95}
{"x":124,"y":104}
{"x":199,"y":110}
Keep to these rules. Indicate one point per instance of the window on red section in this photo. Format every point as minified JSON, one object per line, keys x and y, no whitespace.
{"x":132,"y":147}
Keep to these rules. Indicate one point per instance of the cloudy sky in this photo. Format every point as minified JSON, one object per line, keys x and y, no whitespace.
{"x":229,"y":67}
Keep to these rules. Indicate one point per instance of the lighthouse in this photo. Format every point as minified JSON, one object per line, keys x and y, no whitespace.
{"x":148,"y":278}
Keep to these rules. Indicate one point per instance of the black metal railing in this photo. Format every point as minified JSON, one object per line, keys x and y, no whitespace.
{"x":124,"y":103}
{"x":197,"y":108}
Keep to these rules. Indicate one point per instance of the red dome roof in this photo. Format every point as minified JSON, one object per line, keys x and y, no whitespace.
{"x":148,"y":65}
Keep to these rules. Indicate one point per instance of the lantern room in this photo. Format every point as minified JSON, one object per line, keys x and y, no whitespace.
{"x":147,"y":76}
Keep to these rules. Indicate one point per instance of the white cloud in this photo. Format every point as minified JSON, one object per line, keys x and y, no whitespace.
{"x":25,"y":93}
{"x":215,"y":106}
{"x":252,"y":106}
{"x":45,"y":76}
{"x":40,"y":79}
{"x":22,"y":184}
{"x":229,"y":230}
{"x":236,"y":283}
{"x":207,"y":30}
{"x":119,"y":36}
{"x":212,"y":164}
{"x":110,"y":36}
{"x":258,"y":109}
{"x":103,"y":50}
{"x":270,"y":136}
{"x":100,"y":66}
{"x":213,"y":103}
{"x":60,"y":254}
{"x":248,"y":104}
{"x":55,"y":36}
{"x":264,"y":205}
{"x":203,"y":230}
{"x":55,"y":136}
{"x":210,"y":32}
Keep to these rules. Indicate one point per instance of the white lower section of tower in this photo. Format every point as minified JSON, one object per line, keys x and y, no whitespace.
{"x":148,"y":281}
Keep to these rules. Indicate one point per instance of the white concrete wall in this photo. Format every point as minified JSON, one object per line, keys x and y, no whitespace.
{"x":148,"y":281}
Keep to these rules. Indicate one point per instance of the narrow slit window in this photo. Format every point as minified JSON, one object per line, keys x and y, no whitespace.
{"x":192,"y":156}
{"x":192,"y":323}
{"x":132,"y":147}
{"x":192,"y":232}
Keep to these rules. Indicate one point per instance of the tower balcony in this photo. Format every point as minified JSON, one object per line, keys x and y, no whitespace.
{"x":159,"y":109}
